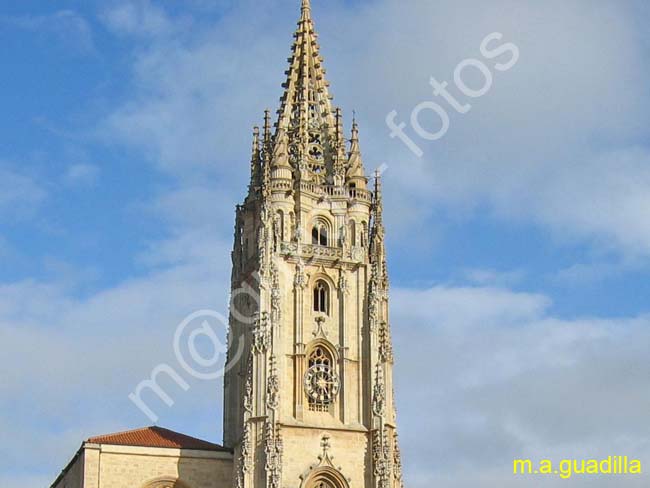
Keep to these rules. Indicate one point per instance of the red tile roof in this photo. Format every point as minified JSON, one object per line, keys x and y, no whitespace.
{"x":156,"y":437}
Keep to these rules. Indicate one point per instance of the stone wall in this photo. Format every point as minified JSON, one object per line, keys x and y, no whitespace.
{"x":136,"y":467}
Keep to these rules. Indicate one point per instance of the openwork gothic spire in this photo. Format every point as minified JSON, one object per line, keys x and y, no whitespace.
{"x":308,"y":145}
{"x":306,"y":114}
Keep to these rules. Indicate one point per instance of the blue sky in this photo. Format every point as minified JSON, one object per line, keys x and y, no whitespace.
{"x":524,"y":233}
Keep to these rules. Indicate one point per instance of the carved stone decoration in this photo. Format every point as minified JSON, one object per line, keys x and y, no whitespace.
{"x":325,"y":468}
{"x":248,"y":393}
{"x":373,"y":308}
{"x":300,"y":280}
{"x":320,"y":328}
{"x":325,"y":444}
{"x":311,"y":250}
{"x":394,"y":412}
{"x":261,"y":333}
{"x":385,"y":343}
{"x":276,"y":309}
{"x":273,"y":448}
{"x":273,"y":386}
{"x":381,"y":458}
{"x":344,"y":287}
{"x":297,"y":232}
{"x":343,"y":236}
{"x":358,"y":254}
{"x":379,"y":394}
{"x":397,"y":462}
{"x":261,"y":250}
{"x":277,"y":233}
{"x":246,"y":451}
{"x":239,"y":474}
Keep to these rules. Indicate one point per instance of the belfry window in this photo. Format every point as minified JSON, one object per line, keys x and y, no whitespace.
{"x":321,"y":297}
{"x":319,"y":234}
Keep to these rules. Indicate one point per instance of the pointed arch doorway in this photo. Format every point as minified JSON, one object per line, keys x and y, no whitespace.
{"x":165,"y":483}
{"x":326,"y":478}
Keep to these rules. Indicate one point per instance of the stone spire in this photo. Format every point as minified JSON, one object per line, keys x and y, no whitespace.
{"x":267,"y":152}
{"x":378,"y":208}
{"x":256,"y":163}
{"x":306,"y":114}
{"x":355,"y":172}
{"x":340,"y":158}
{"x":379,"y":273}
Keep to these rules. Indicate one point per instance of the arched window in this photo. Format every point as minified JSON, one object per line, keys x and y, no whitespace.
{"x":321,"y":297}
{"x":320,"y":356}
{"x":319,"y":234}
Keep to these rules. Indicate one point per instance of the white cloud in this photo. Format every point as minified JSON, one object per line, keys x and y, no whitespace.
{"x":81,"y":175}
{"x":20,"y":195}
{"x":554,"y":142}
{"x":69,"y":362}
{"x":504,"y":379}
{"x":5,"y":248}
{"x":199,"y":92}
{"x":492,"y":277}
{"x":68,"y":26}
{"x":138,"y":18}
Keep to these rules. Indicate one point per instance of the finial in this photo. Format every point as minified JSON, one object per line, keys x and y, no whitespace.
{"x":256,"y":139}
{"x":355,"y":127}
{"x":339,"y":122}
{"x":255,"y":158}
{"x":267,"y":125}
{"x":325,"y":443}
{"x":305,"y":11}
{"x":378,"y":198}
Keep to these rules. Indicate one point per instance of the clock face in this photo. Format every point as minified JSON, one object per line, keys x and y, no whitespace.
{"x":321,"y":384}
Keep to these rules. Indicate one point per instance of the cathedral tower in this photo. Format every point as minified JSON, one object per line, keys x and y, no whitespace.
{"x":309,"y":402}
